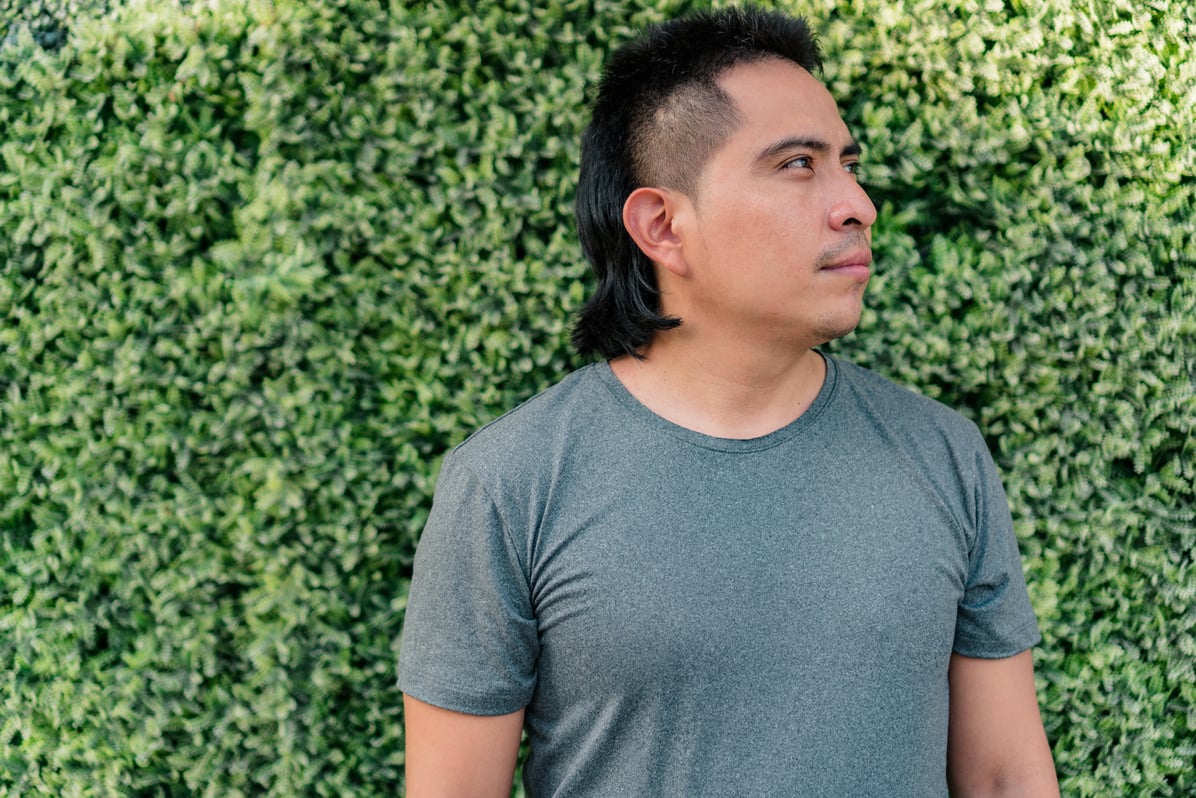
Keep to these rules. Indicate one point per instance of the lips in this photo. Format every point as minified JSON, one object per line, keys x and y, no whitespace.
{"x":860,"y":257}
{"x":855,"y":264}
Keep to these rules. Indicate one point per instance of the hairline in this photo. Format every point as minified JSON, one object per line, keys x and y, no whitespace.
{"x":707,"y":89}
{"x":852,"y":148}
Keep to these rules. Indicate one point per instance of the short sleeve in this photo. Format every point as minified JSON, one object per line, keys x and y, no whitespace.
{"x":469,"y":640}
{"x":995,"y":618}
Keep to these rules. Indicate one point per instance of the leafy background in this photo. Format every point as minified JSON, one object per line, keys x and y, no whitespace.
{"x":263,"y":262}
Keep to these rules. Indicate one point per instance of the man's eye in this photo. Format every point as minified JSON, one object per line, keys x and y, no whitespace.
{"x":800,"y":162}
{"x":855,"y":168}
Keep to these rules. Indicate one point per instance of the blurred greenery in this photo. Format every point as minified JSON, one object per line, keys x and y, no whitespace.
{"x":264,"y":262}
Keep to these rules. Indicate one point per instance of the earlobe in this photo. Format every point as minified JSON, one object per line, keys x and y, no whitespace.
{"x":649,"y":215}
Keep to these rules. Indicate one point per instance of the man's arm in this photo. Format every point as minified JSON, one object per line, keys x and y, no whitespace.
{"x":995,"y":741}
{"x":453,"y":755}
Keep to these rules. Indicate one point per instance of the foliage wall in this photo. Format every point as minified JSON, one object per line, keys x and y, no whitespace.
{"x":263,"y":262}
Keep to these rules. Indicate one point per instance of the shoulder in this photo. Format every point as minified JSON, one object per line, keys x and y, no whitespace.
{"x":933,"y":444}
{"x":887,"y":404}
{"x":532,"y":429}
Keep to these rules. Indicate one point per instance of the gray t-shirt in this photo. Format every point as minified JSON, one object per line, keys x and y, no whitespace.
{"x":683,"y":615}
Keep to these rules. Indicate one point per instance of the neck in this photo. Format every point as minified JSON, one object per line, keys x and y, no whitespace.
{"x":726,"y":391}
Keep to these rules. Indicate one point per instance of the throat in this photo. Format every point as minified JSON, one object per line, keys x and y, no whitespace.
{"x":723,"y":403}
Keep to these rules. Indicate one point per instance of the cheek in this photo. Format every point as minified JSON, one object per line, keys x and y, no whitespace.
{"x":757,"y":222}
{"x":763,"y":230}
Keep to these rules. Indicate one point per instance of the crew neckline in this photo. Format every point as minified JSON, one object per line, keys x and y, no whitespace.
{"x":642,"y":413}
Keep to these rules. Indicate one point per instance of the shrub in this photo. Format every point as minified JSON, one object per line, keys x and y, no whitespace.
{"x":264,"y":262}
{"x":47,"y":21}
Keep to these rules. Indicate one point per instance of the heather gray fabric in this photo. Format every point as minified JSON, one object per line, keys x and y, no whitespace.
{"x":693,"y":616}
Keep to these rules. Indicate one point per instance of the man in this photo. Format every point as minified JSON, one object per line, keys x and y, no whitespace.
{"x":720,"y":562}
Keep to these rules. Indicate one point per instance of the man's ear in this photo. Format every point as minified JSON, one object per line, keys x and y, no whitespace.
{"x":650,"y":216}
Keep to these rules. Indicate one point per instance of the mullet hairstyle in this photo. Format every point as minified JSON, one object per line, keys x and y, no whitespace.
{"x":658,"y":117}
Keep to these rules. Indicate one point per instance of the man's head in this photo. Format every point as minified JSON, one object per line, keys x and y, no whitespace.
{"x":659,"y":116}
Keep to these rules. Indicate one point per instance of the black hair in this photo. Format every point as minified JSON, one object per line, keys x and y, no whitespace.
{"x":658,"y":117}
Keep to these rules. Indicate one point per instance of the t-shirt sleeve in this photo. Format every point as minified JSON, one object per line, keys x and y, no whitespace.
{"x":469,"y":640}
{"x":995,"y":618}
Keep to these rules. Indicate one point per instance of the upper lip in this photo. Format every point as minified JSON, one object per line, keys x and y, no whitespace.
{"x":860,"y":257}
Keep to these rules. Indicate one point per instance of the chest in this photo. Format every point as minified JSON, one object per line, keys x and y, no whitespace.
{"x":712,"y":573}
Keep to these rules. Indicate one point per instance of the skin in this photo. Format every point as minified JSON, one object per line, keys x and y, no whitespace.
{"x":995,"y":741}
{"x":767,"y":260}
{"x":745,"y":263}
{"x":453,"y":755}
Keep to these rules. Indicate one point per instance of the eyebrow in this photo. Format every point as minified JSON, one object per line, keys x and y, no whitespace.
{"x":798,"y":143}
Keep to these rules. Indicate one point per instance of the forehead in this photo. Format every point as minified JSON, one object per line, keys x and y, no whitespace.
{"x":776,"y":99}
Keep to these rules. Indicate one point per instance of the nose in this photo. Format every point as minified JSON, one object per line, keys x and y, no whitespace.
{"x":853,"y":209}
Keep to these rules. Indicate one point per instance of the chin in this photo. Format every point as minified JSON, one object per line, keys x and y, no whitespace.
{"x":830,"y":329}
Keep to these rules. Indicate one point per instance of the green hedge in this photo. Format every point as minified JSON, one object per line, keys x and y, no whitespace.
{"x":263,"y":262}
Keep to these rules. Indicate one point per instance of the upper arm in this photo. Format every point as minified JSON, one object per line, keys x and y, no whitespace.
{"x":451,"y":754}
{"x":995,"y":740}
